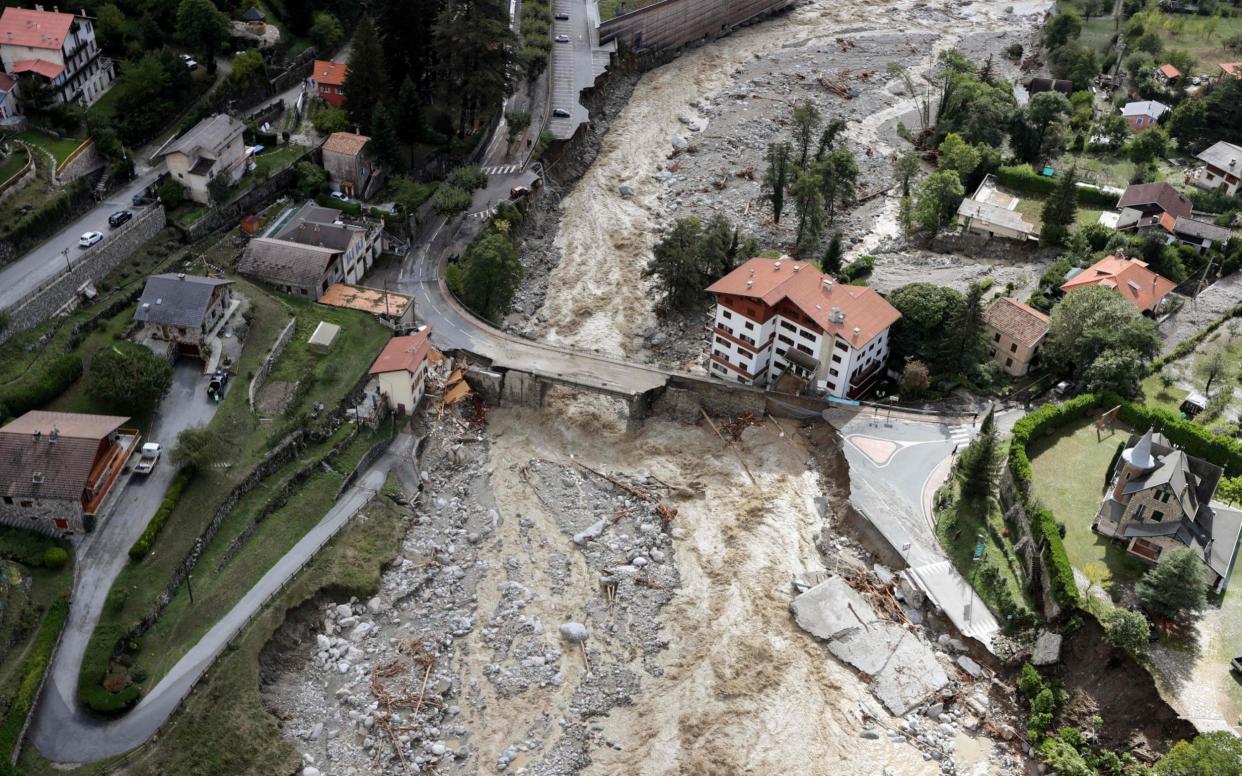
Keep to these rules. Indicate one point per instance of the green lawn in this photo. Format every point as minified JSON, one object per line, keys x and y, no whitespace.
{"x":1101,"y":169}
{"x":59,"y":147}
{"x":1031,"y":207}
{"x":325,"y":379}
{"x":1184,"y":371}
{"x":1097,"y":32}
{"x":273,"y":160}
{"x":226,"y":706}
{"x":1069,"y":469}
{"x":1202,"y":37}
{"x":14,"y":164}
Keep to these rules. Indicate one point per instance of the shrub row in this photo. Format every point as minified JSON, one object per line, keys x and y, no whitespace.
{"x":31,"y":677}
{"x":1187,"y":346}
{"x":48,"y":378}
{"x":1022,"y":177}
{"x":142,"y":546}
{"x":1196,"y":440}
{"x":100,"y":701}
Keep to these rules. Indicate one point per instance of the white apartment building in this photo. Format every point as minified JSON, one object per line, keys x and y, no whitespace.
{"x":778,"y":316}
{"x":59,"y":47}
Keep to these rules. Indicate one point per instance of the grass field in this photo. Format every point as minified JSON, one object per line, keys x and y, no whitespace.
{"x":1097,"y":32}
{"x":1069,"y":469}
{"x":1031,"y":208}
{"x":14,"y":164}
{"x":1100,"y":169}
{"x":1202,"y":37}
{"x":226,"y":707}
{"x":58,"y":147}
{"x":326,"y":379}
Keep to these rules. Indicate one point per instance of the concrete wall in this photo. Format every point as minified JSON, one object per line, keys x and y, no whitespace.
{"x":674,"y":23}
{"x":92,"y":265}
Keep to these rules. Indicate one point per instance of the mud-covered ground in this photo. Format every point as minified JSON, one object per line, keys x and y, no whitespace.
{"x":724,"y":102}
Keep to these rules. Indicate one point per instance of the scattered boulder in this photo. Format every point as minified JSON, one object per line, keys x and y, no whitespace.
{"x":574,"y":631}
{"x":1047,"y":649}
{"x":679,"y":143}
{"x":970,"y":667}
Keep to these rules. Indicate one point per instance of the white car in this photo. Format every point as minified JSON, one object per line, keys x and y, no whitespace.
{"x":89,"y":239}
{"x":339,"y":196}
{"x":562,"y":38}
{"x":150,"y":456}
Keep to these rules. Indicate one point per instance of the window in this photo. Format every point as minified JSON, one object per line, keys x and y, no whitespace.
{"x":749,"y":325}
{"x":836,"y":359}
{"x":8,"y":499}
{"x":726,"y":314}
{"x":1009,"y":362}
{"x":788,"y":325}
{"x":833,"y":372}
{"x":721,"y":341}
{"x":718,"y":367}
{"x":1157,"y":515}
{"x":749,"y":340}
{"x":805,"y":349}
{"x":26,"y":503}
{"x":996,"y":338}
{"x":1139,"y":511}
{"x":780,"y":351}
{"x":784,"y":339}
{"x":1013,"y":348}
{"x":839,"y":345}
{"x":806,"y":335}
{"x":744,"y":353}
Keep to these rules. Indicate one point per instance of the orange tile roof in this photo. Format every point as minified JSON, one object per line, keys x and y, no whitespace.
{"x":368,"y":300}
{"x":1168,"y":221}
{"x":34,"y":29}
{"x":1232,"y":69}
{"x":815,"y":294}
{"x":1026,"y":325}
{"x":1129,"y":277}
{"x":329,"y":72}
{"x":403,"y":354}
{"x":346,"y":143}
{"x":1170,"y":72}
{"x":48,"y":70}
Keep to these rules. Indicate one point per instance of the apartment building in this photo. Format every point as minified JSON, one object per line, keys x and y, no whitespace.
{"x":780,"y":316}
{"x":58,"y":47}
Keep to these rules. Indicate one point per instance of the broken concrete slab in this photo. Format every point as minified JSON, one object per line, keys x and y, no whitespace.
{"x":1047,"y":649}
{"x":911,"y":676}
{"x":831,"y":608}
{"x":868,"y":650}
{"x":970,"y":667}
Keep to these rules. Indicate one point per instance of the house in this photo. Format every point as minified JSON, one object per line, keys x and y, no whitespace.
{"x":994,"y":213}
{"x":347,"y":163}
{"x":58,"y":469}
{"x":393,"y":309}
{"x":314,"y":248}
{"x":328,"y":81}
{"x":1168,"y":74}
{"x":8,"y":98}
{"x":58,"y":48}
{"x":1143,"y":115}
{"x":401,"y":369}
{"x":212,"y":148}
{"x":1161,"y":499}
{"x":1198,"y":234}
{"x":1230,"y":69}
{"x":1037,"y":85}
{"x":1129,"y":277}
{"x":778,"y":316}
{"x":1154,"y":199}
{"x":1015,"y":330}
{"x":1222,"y":169}
{"x":183,"y":310}
{"x":253,"y":14}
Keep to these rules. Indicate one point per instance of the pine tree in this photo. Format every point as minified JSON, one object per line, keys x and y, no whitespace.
{"x":409,"y":113}
{"x":980,"y":464}
{"x":384,"y":136}
{"x":809,"y":204}
{"x":963,"y":344}
{"x":838,"y":173}
{"x":831,"y":263}
{"x":1176,"y":587}
{"x":1060,"y":211}
{"x":806,"y":120}
{"x":776,"y":177}
{"x":477,"y":53}
{"x":365,"y":82}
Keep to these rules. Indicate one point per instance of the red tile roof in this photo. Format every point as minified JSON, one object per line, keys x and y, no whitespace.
{"x":1026,"y":325}
{"x":346,"y":143}
{"x":814,"y":293}
{"x":6,"y":83}
{"x":1231,"y":69}
{"x":34,"y":29}
{"x":1169,"y":72}
{"x":48,"y":70}
{"x":1129,"y":277}
{"x":47,"y":467}
{"x":330,"y":73}
{"x":403,"y":354}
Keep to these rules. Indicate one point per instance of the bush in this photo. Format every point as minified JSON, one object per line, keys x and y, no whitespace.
{"x":467,"y":178}
{"x":100,"y":701}
{"x":130,"y":380}
{"x":25,"y":547}
{"x":1022,"y":177}
{"x":142,"y":546}
{"x":31,"y":677}
{"x":1030,"y":682}
{"x":858,"y":269}
{"x":171,"y":193}
{"x":1126,"y":630}
{"x":55,"y":558}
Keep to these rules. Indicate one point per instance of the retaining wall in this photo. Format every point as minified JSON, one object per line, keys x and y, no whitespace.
{"x":19,"y":180}
{"x":675,"y":23}
{"x":250,"y":202}
{"x":92,"y":266}
{"x":81,"y":162}
{"x":281,"y":342}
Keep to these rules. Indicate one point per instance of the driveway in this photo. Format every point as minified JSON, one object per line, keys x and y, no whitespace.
{"x":895,"y":468}
{"x":50,"y":260}
{"x":101,"y":556}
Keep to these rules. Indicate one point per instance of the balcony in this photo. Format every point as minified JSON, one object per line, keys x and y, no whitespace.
{"x":862,"y":381}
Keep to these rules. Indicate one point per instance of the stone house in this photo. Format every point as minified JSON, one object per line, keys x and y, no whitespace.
{"x":183,"y":309}
{"x":58,"y":469}
{"x":214,"y":147}
{"x":315,"y":248}
{"x":1015,"y":330}
{"x":401,"y":369}
{"x":1161,"y":498}
{"x":348,"y":164}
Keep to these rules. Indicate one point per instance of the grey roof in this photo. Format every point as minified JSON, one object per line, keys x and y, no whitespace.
{"x":1151,"y":529}
{"x":1200,"y":230}
{"x":253,"y":14}
{"x":1145,"y":108}
{"x":1224,"y":156}
{"x":1193,"y":481}
{"x":1161,"y":194}
{"x":995,"y":214}
{"x":795,"y":356}
{"x":278,"y":261}
{"x":1174,"y":472}
{"x":315,"y":225}
{"x":177,"y":300}
{"x":209,"y":135}
{"x":1226,"y":529}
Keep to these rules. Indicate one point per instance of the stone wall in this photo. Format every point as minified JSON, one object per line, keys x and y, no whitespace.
{"x":19,"y":180}
{"x":281,"y":343}
{"x":675,"y":23}
{"x":86,"y":161}
{"x":90,"y":266}
{"x":39,"y":515}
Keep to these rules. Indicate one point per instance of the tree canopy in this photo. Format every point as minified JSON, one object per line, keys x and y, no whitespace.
{"x":1176,"y":588}
{"x":1218,"y":753}
{"x":926,"y":310}
{"x":692,"y":256}
{"x":130,"y":380}
{"x":1092,"y":321}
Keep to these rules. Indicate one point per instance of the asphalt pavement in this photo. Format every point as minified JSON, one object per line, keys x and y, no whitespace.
{"x":50,"y":260}
{"x":99,"y":557}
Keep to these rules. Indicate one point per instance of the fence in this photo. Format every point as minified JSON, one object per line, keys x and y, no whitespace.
{"x":281,"y":343}
{"x":18,"y":177}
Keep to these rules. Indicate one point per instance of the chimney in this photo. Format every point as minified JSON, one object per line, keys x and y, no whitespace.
{"x":52,"y":437}
{"x":37,"y":436}
{"x":146,"y":305}
{"x":160,"y":300}
{"x":36,"y":478}
{"x":828,"y":284}
{"x":38,"y":8}
{"x":857,"y":331}
{"x":750,"y":283}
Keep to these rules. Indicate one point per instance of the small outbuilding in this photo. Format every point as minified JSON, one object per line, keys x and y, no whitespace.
{"x":324,"y":337}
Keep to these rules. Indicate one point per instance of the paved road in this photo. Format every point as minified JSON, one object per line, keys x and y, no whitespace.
{"x":895,"y":467}
{"x":101,"y":555}
{"x":64,"y":733}
{"x":575,"y":64}
{"x":38,"y":267}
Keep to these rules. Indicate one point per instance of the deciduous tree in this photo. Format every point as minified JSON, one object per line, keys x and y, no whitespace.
{"x":490,"y":274}
{"x":926,"y":311}
{"x":1218,"y":753}
{"x":1090,"y":321}
{"x":327,"y":33}
{"x":904,"y":168}
{"x":203,"y":29}
{"x":131,"y":380}
{"x":959,"y":156}
{"x":1126,"y":630}
{"x":938,"y":199}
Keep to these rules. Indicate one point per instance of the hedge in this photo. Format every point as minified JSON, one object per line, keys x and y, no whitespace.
{"x":1188,"y":345}
{"x":25,"y":547}
{"x":31,"y":677}
{"x":1022,"y":177}
{"x":1196,"y":440}
{"x":142,"y":546}
{"x":46,"y":379}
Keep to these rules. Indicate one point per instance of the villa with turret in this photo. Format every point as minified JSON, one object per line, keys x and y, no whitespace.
{"x":1161,"y":498}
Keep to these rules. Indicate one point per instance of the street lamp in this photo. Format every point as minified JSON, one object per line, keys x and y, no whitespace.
{"x":65,"y":252}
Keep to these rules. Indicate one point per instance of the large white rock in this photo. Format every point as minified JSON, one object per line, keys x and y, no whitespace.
{"x":574,"y":631}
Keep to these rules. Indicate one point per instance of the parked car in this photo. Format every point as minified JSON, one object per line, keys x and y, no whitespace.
{"x":119,"y":217}
{"x":190,"y":62}
{"x":517,"y":192}
{"x":562,"y":17}
{"x":140,"y":199}
{"x":1063,"y":389}
{"x":89,"y":239}
{"x":560,"y":113}
{"x":1193,"y":404}
{"x":215,"y":388}
{"x":339,"y":196}
{"x":1153,"y":633}
{"x":562,"y":38}
{"x":149,"y":457}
